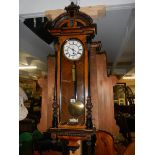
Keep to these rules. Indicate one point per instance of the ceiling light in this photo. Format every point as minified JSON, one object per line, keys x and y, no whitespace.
{"x":128,"y":77}
{"x":27,"y":67}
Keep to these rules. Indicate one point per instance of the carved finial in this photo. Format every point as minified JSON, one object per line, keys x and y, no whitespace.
{"x":72,"y":8}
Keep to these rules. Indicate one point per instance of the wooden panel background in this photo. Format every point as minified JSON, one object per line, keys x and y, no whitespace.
{"x":102,"y":94}
{"x":47,"y":85}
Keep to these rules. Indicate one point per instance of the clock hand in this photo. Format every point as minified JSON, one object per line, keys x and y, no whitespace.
{"x":72,"y":49}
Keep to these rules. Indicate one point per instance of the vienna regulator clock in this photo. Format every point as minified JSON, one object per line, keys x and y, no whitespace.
{"x":73,"y":32}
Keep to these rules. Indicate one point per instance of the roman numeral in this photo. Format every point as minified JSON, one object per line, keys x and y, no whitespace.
{"x":79,"y":53}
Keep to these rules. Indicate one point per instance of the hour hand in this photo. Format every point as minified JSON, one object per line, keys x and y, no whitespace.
{"x":70,"y":48}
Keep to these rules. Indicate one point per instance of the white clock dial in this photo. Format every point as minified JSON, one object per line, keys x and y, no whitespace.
{"x":73,"y":49}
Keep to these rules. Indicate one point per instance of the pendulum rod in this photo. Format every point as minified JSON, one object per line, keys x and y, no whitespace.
{"x":74,"y":76}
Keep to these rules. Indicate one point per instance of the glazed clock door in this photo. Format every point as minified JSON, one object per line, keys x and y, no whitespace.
{"x":72,"y":91}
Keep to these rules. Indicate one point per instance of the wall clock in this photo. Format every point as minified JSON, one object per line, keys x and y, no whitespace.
{"x":73,"y":32}
{"x":72,"y":106}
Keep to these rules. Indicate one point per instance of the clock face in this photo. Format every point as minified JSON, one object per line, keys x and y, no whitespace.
{"x":73,"y":49}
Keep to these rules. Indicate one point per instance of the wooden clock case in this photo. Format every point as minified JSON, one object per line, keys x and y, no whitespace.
{"x":72,"y":24}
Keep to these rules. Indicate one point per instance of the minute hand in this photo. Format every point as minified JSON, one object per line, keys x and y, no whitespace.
{"x":71,"y":48}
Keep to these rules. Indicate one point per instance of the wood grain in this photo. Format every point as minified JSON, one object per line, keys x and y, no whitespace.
{"x":104,"y":144}
{"x":102,"y":94}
